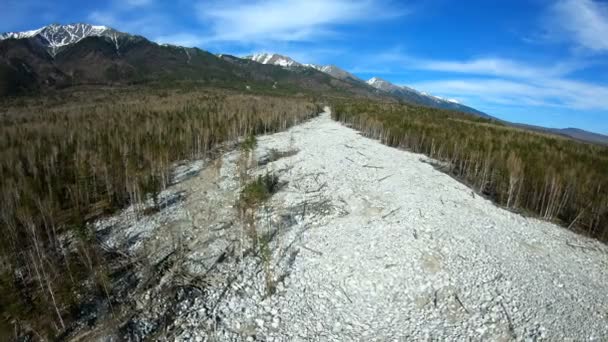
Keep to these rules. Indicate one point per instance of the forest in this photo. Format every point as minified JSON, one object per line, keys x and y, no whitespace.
{"x":69,"y":157}
{"x":548,"y":176}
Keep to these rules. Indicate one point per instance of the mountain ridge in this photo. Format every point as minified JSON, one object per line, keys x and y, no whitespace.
{"x":413,"y":95}
{"x":401,"y":92}
{"x":56,"y":36}
{"x":30,"y":62}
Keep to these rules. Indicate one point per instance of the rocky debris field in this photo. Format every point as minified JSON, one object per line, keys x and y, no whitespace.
{"x":361,"y":242}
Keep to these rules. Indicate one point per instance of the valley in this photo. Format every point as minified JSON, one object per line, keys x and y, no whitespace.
{"x":156,"y":192}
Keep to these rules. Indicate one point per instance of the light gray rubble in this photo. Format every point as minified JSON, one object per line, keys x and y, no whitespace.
{"x":363,"y":242}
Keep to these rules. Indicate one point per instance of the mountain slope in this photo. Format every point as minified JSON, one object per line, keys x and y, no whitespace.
{"x":288,"y":62}
{"x":100,"y":55}
{"x":273,"y":59}
{"x":413,"y":96}
{"x":334,"y":71}
{"x":402,"y":93}
{"x":27,"y":65}
{"x":572,"y":133}
{"x":583,"y":135}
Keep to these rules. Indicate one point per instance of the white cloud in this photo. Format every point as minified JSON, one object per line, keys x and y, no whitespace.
{"x":584,"y":22}
{"x":103,"y":18}
{"x":546,"y":92}
{"x":287,"y":20}
{"x":181,"y":39}
{"x":497,"y":67}
{"x":502,"y":81}
{"x":487,"y":66}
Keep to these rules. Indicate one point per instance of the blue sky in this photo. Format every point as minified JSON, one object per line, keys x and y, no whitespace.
{"x":535,"y":61}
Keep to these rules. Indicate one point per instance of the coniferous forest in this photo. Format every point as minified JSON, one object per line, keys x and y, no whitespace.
{"x":548,"y":176}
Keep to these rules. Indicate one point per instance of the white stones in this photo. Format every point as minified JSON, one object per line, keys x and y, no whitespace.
{"x":357,"y":272}
{"x":275,"y":322}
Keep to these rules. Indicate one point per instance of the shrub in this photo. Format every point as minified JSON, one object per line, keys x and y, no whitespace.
{"x":259,"y":190}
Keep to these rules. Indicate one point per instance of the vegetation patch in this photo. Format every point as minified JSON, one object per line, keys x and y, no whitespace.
{"x":249,"y":143}
{"x":259,"y":190}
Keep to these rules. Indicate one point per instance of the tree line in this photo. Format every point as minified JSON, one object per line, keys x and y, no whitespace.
{"x":552,"y":177}
{"x":68,"y":159}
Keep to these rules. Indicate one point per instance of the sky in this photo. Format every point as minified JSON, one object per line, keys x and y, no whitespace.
{"x":534,"y":61}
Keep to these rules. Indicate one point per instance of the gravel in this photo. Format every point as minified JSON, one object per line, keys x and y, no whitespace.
{"x":417,"y":256}
{"x":372,"y":243}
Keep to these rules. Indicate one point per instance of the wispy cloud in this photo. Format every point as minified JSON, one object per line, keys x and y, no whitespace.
{"x":182,"y":39}
{"x":582,"y":22}
{"x":148,"y":24}
{"x":287,"y":20}
{"x":508,"y":82}
{"x":485,"y":66}
{"x":498,"y":67}
{"x":550,"y":93}
{"x":502,"y":81}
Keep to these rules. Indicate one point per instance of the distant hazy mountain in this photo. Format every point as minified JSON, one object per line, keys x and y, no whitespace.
{"x":573,"y":133}
{"x":584,"y":135}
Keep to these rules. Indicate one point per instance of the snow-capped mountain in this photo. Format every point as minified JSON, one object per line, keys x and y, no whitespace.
{"x":54,"y":37}
{"x":334,"y":71}
{"x":383,"y":85}
{"x":402,"y":92}
{"x":288,"y":62}
{"x":414,"y":96}
{"x":274,"y":59}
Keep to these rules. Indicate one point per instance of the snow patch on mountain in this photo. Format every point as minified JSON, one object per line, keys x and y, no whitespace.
{"x":274,"y":59}
{"x":384,"y":85}
{"x":334,"y":71}
{"x":56,"y":36}
{"x":381,"y":84}
{"x":288,"y":62}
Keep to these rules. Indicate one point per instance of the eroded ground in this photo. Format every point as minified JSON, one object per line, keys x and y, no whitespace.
{"x":361,"y":242}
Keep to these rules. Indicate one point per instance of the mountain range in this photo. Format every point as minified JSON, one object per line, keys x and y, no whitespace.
{"x":401,"y":92}
{"x":57,"y":56}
